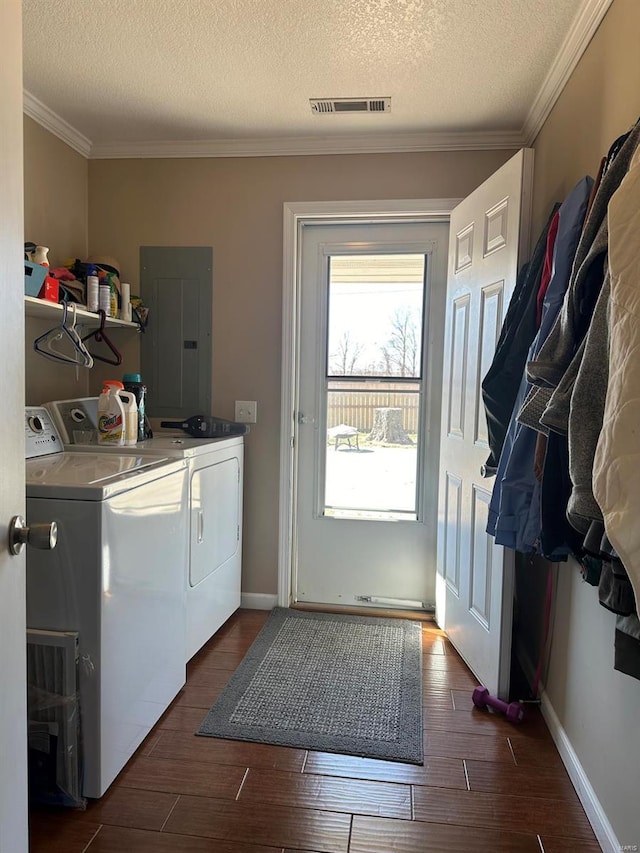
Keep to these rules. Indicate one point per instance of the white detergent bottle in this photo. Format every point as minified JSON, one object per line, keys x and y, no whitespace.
{"x":130,"y":417}
{"x":111,"y":414}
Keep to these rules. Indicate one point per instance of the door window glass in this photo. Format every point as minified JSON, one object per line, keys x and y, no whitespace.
{"x":374,"y":370}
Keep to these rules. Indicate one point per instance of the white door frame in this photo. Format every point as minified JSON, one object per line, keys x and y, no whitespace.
{"x":296,"y":214}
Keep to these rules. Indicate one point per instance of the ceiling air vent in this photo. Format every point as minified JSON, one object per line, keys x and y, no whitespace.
{"x":332,"y":106}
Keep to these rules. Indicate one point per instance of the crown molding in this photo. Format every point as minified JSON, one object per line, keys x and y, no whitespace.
{"x":584,"y":27}
{"x":309,"y":145}
{"x":52,"y":122}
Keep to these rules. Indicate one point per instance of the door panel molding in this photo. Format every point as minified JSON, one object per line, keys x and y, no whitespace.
{"x":295,"y":215}
{"x":464,"y":248}
{"x":452,"y":520}
{"x":458,"y":367}
{"x":481,"y":558}
{"x":496,"y":222}
{"x":491,"y":312}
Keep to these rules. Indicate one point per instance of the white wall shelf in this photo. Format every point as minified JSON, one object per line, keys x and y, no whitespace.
{"x":42,"y":309}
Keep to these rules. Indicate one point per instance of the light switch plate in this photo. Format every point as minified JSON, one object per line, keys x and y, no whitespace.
{"x":246,"y":411}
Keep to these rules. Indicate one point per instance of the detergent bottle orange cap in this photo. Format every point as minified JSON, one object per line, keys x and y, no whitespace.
{"x":111,"y":414}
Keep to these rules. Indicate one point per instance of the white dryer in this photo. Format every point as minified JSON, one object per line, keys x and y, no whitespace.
{"x":216,"y":471}
{"x":115,"y":578}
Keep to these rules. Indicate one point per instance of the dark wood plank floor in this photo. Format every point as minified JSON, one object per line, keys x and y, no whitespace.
{"x":485,"y":784}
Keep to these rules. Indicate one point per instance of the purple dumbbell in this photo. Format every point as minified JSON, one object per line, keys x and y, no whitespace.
{"x":513,"y":711}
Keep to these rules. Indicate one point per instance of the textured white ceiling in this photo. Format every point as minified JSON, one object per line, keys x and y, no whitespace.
{"x":134,"y":71}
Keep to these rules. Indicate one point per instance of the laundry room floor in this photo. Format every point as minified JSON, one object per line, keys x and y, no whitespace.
{"x":485,"y":785}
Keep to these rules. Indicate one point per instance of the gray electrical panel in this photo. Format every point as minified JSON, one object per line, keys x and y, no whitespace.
{"x":176,"y":284}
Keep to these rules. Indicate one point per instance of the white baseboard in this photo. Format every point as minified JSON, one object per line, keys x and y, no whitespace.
{"x":590,"y":803}
{"x":258,"y":601}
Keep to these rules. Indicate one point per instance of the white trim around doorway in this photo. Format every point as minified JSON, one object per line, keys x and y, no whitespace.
{"x":297,"y":214}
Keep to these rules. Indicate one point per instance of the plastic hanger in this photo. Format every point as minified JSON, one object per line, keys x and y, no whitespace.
{"x":49,"y":344}
{"x":87,"y":360}
{"x":100,"y":336}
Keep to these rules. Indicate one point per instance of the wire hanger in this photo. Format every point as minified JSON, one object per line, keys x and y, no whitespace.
{"x":100,"y":336}
{"x":51,"y":342}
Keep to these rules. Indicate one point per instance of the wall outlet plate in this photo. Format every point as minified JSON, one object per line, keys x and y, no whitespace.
{"x":246,"y":411}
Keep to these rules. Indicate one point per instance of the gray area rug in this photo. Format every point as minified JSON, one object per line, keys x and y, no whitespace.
{"x":332,"y":683}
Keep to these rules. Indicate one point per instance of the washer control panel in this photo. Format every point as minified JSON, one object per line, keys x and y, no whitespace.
{"x":41,"y":436}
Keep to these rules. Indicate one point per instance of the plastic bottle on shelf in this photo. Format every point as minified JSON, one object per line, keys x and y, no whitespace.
{"x":125,"y":301}
{"x":105,"y":296}
{"x":133,"y":382}
{"x":113,"y":296}
{"x":41,"y":256}
{"x":128,"y":399}
{"x":93,"y":289}
{"x":111,"y":414}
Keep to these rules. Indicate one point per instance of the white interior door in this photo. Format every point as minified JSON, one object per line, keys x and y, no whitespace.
{"x":371,"y":320}
{"x":13,"y":712}
{"x":488,"y":239}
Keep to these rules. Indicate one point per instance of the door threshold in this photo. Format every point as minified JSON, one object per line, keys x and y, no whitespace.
{"x":381,"y":612}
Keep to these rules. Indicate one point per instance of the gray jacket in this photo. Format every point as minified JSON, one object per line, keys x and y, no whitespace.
{"x":586,"y":279}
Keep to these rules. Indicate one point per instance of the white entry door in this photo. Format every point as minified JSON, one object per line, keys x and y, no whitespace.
{"x":488,"y":241}
{"x":13,"y":711}
{"x":369,"y":379}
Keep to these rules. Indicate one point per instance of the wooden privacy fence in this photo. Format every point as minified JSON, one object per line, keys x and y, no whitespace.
{"x":356,"y":408}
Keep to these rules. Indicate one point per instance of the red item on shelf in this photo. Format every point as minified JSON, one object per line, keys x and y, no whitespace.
{"x":49,"y":290}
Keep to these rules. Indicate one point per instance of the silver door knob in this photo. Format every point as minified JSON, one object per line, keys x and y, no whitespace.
{"x":43,"y":536}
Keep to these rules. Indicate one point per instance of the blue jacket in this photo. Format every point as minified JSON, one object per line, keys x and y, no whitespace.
{"x":514,"y":510}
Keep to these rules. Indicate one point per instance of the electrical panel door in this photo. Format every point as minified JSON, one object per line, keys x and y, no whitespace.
{"x":176,"y":284}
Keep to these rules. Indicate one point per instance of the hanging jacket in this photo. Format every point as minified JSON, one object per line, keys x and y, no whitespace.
{"x":508,"y":531}
{"x":556,"y":534}
{"x":616,"y":483}
{"x":586,"y":413}
{"x":502,"y":381}
{"x":509,"y":438}
{"x":627,"y":645}
{"x":514,"y":511}
{"x":556,"y":412}
{"x":573,"y":322}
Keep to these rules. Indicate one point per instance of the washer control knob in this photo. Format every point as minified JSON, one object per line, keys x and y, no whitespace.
{"x":35,"y":423}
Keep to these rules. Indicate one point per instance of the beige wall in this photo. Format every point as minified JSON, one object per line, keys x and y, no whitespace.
{"x":596,"y":706}
{"x":55,"y":215}
{"x":600,"y":101}
{"x":55,"y":194}
{"x":236,"y":206}
{"x":56,"y":180}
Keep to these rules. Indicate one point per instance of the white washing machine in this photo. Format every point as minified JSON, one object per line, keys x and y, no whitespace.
{"x":116,"y":578}
{"x":216,"y":470}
